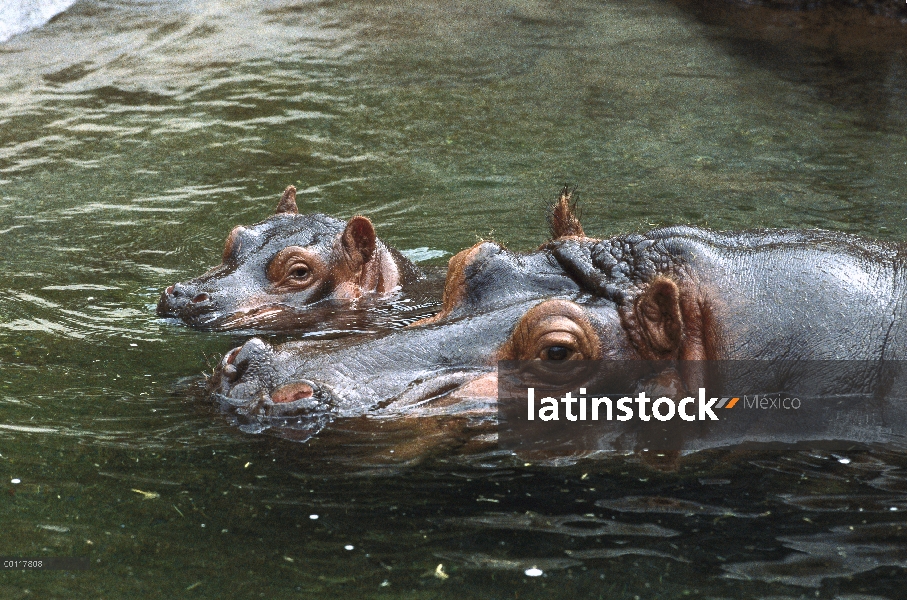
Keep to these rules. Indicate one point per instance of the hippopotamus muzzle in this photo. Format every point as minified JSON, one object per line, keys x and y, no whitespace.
{"x":183,"y":301}
{"x":246,"y":384}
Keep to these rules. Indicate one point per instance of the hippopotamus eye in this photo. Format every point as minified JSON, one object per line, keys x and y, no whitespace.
{"x":295,"y":268}
{"x":555,"y":330}
{"x":298,"y":272}
{"x":556,"y":353}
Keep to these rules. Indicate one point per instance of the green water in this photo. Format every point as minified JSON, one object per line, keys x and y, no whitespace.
{"x":135,"y":135}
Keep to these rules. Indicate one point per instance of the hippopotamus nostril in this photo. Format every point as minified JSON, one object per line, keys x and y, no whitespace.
{"x":292,"y":392}
{"x":187,"y":302}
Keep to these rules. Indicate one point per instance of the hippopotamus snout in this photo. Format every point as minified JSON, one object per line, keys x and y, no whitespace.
{"x":187,"y":302}
{"x":247,"y":380}
{"x":243,"y":371}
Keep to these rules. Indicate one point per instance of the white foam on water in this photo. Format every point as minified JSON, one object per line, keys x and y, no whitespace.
{"x":19,"y":16}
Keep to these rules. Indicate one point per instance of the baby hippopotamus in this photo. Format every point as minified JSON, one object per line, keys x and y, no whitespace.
{"x":275,"y":272}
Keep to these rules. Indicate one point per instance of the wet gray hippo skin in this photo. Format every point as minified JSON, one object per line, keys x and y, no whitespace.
{"x":274,"y":271}
{"x":674,"y":293}
{"x":691,"y":293}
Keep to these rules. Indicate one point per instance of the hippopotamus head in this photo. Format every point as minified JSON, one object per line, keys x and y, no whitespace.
{"x":283,"y":266}
{"x":497,"y":305}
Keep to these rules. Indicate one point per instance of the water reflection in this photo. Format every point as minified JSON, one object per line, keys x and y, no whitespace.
{"x":21,"y":16}
{"x":843,"y":552}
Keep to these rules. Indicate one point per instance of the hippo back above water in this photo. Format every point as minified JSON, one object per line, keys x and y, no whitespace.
{"x":275,"y":272}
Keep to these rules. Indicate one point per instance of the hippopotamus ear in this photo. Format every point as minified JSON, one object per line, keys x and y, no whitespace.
{"x":359,"y":238}
{"x":287,"y":202}
{"x":658,"y":313}
{"x":562,"y":218}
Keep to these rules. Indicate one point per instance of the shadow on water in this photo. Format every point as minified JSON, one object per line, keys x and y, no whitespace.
{"x":850,"y":58}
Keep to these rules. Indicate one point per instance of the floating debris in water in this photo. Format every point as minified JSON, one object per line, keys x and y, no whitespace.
{"x":16,"y":480}
{"x":313,"y":517}
{"x":147,"y":495}
{"x":349,"y":547}
{"x":439,"y":572}
{"x":533,"y":572}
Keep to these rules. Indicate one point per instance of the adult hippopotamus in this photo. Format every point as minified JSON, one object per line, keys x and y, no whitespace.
{"x":680,"y":293}
{"x":273,"y":271}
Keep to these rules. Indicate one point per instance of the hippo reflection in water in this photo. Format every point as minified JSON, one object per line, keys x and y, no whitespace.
{"x":679,"y":293}
{"x":275,"y":270}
